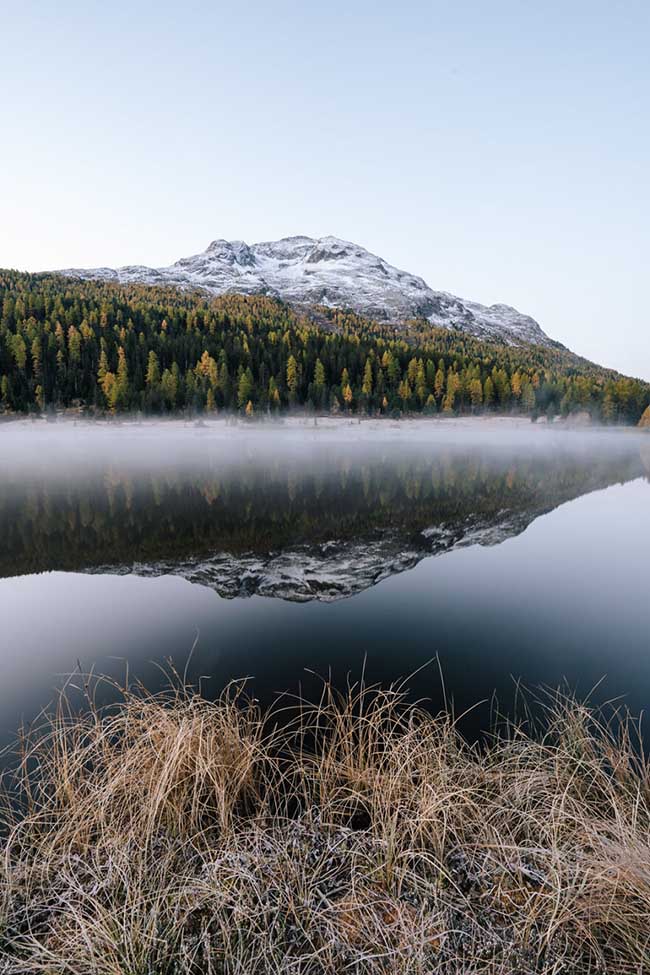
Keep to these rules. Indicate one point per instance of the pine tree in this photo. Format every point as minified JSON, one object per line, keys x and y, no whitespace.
{"x":244,"y":388}
{"x":430,"y":405}
{"x":404,"y":393}
{"x":609,"y":405}
{"x":153,"y":370}
{"x":36,"y":357}
{"x":420,"y":382}
{"x":274,"y":394}
{"x":439,"y":381}
{"x":19,"y":350}
{"x":292,"y":378}
{"x":453,"y":385}
{"x":103,"y":366}
{"x":366,"y":387}
{"x":528,"y":396}
{"x":74,"y":345}
{"x":319,"y":374}
{"x":319,"y":383}
{"x":110,"y":389}
{"x":122,"y":380}
{"x":169,"y":388}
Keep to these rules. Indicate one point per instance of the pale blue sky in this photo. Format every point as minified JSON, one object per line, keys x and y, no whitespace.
{"x":500,"y":149}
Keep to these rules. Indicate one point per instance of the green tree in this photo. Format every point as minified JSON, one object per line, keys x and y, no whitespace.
{"x":292,"y":378}
{"x":245,"y":388}
{"x":169,"y":388}
{"x":404,"y":393}
{"x":319,"y":375}
{"x":476,"y":393}
{"x":439,"y":381}
{"x":274,"y":394}
{"x":19,"y":350}
{"x":528,"y":396}
{"x":121,"y":389}
{"x":453,"y":385}
{"x":153,"y":370}
{"x":366,"y":387}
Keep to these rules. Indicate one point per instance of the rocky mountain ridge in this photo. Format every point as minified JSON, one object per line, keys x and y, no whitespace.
{"x":305,"y":271}
{"x":331,"y":570}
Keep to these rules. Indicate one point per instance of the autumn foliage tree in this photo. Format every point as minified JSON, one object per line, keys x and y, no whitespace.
{"x":103,"y":346}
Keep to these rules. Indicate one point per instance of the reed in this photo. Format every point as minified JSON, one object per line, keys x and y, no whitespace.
{"x":172,"y":834}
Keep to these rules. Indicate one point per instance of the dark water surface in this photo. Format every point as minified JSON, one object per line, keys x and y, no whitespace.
{"x":518,"y":555}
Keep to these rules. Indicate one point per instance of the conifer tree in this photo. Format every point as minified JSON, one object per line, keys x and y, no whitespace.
{"x":292,"y":378}
{"x":366,"y":387}
{"x":153,"y":370}
{"x":122,"y":380}
{"x":476,"y":393}
{"x":439,"y":381}
{"x":319,"y":375}
{"x":244,"y":388}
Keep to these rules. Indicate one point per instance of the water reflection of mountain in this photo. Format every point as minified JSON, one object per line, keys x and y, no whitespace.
{"x":279,"y":527}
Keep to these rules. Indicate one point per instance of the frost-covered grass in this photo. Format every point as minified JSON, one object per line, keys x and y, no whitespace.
{"x":171,"y":834}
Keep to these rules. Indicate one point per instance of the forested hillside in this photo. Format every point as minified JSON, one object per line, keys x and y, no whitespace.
{"x":111,"y":347}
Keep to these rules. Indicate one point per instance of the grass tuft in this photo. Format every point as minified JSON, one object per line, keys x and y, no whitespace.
{"x":170,"y":834}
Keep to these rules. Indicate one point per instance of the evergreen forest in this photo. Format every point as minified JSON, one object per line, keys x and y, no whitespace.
{"x":102,"y":348}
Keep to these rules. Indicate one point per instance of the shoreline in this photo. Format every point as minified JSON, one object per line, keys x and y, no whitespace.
{"x":324,"y":421}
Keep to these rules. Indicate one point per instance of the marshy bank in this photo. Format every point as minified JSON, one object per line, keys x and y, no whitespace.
{"x":167,"y":834}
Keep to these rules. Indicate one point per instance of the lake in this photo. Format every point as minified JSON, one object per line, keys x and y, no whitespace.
{"x":488,"y":552}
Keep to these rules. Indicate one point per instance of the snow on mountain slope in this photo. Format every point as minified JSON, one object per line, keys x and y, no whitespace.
{"x":331,"y":272}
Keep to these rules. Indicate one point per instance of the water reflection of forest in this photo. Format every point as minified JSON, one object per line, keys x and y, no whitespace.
{"x":119,"y":514}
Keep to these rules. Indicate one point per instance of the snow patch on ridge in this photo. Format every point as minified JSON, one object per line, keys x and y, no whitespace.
{"x":331,"y":570}
{"x":332,"y":272}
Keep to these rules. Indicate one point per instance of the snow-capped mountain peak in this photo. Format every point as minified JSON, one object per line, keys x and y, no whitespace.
{"x":333,"y":272}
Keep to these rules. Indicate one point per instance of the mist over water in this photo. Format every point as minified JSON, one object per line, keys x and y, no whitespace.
{"x":509,"y":551}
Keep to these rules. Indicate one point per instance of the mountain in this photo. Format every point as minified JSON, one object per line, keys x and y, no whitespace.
{"x":331,"y":272}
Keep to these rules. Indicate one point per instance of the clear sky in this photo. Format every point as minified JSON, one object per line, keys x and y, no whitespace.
{"x":499,"y":149}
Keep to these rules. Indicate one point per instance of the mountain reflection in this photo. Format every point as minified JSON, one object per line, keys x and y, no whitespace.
{"x":285,"y":525}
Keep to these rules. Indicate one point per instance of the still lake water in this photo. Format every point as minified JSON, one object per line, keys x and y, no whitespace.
{"x":507,"y":553}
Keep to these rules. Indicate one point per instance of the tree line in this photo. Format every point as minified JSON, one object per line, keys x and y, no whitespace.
{"x":102,"y":346}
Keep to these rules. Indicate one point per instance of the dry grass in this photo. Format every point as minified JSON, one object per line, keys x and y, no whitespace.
{"x":172,"y":834}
